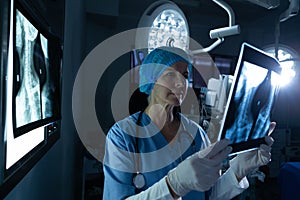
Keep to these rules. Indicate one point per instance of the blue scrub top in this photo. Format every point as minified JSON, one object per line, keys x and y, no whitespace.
{"x":156,"y":156}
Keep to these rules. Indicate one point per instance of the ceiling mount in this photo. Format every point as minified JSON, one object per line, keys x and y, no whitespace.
{"x":220,"y":33}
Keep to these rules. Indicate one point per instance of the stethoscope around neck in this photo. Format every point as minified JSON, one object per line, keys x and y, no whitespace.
{"x":138,"y":179}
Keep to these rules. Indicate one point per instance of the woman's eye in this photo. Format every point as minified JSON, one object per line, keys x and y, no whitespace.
{"x":170,"y":74}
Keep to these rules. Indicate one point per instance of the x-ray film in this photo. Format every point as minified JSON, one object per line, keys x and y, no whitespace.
{"x":36,"y":76}
{"x":248,"y":112}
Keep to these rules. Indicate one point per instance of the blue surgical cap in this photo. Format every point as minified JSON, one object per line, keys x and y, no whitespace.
{"x":156,"y":62}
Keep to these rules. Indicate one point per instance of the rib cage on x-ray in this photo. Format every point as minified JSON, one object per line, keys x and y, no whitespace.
{"x":32,"y":98}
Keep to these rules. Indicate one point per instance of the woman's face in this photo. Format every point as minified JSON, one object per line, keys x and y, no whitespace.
{"x":171,"y":87}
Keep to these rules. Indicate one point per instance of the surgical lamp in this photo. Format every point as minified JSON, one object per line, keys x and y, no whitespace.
{"x":287,"y":58}
{"x":165,"y":25}
{"x":287,"y":68}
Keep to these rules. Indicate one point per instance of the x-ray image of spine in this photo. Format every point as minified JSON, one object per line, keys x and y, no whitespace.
{"x":28,"y":106}
{"x":252,"y":104}
{"x":48,"y":88}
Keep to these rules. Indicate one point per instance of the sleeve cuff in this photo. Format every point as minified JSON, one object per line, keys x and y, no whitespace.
{"x":228,"y":186}
{"x":243,"y":184}
{"x":159,"y":190}
{"x":164,"y":190}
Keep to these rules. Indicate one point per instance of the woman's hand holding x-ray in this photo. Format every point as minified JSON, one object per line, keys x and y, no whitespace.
{"x":200,"y":171}
{"x":245,"y":163}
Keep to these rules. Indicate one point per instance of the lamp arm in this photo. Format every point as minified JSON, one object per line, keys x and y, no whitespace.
{"x":220,"y":33}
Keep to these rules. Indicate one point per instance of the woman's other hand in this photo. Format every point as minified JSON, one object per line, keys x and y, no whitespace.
{"x":246,"y":162}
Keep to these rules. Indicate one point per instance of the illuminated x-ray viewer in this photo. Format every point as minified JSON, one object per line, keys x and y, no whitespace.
{"x":248,"y":112}
{"x":36,"y":84}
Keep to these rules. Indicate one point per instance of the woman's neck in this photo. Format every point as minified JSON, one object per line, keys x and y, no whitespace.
{"x":164,"y":118}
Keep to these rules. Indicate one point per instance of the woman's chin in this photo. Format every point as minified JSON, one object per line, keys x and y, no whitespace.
{"x":175,"y":102}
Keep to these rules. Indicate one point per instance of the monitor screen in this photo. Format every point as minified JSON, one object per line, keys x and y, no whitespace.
{"x":36,"y":76}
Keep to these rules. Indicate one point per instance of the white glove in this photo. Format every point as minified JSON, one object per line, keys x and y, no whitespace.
{"x":200,"y":171}
{"x":245,"y":163}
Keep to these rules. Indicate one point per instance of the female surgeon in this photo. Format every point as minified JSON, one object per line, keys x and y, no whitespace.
{"x":158,"y":153}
